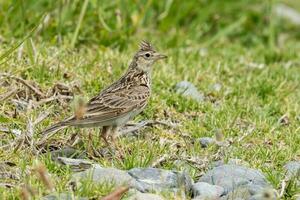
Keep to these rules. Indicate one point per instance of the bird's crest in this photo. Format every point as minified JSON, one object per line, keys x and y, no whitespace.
{"x":146,"y":46}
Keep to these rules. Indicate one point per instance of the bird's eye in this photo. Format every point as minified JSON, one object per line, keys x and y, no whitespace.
{"x":147,"y":55}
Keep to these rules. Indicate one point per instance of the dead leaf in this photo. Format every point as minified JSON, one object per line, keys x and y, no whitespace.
{"x":117,"y":194}
{"x":43,"y":175}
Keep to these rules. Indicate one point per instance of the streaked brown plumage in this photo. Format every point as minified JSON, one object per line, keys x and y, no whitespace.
{"x":121,"y":101}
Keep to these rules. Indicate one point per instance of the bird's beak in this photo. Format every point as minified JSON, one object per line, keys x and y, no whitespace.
{"x":159,"y":56}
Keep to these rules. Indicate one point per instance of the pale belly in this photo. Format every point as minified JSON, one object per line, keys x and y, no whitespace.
{"x":115,"y":122}
{"x":124,"y":119}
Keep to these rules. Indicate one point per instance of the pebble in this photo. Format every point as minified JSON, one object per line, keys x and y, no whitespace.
{"x":142,"y":179}
{"x":99,"y":174}
{"x":75,"y":164}
{"x":154,"y":179}
{"x":188,"y":89}
{"x":293,"y":169}
{"x":233,"y":177}
{"x":206,"y":190}
{"x":206,"y":141}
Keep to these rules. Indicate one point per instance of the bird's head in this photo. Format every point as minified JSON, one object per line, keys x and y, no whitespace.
{"x":146,"y":57}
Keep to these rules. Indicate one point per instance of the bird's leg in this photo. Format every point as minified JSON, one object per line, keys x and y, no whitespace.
{"x":114,"y":138}
{"x":104,"y":134}
{"x":89,"y":143}
{"x":113,"y":134}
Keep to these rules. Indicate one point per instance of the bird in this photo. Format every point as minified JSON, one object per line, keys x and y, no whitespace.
{"x":121,"y":101}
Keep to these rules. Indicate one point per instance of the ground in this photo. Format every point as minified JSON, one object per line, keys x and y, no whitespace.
{"x":241,"y":56}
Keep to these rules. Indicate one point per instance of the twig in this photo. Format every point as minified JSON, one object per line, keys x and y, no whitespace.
{"x":199,"y":164}
{"x":31,"y":125}
{"x":21,"y":103}
{"x":162,"y":159}
{"x":52,"y":98}
{"x":27,"y":136}
{"x":282,"y":188}
{"x":248,"y":132}
{"x":8,"y":94}
{"x":41,"y":117}
{"x":7,"y":185}
{"x":24,"y":82}
{"x":4,"y":129}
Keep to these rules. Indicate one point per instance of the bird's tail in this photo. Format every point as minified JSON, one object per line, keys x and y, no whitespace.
{"x":53,"y":129}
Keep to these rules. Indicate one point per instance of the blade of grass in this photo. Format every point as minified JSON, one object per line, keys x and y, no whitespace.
{"x":13,"y":48}
{"x":166,"y":11}
{"x":227,"y":30}
{"x":105,"y":26}
{"x":31,"y":50}
{"x":271,"y":39}
{"x":82,"y":13}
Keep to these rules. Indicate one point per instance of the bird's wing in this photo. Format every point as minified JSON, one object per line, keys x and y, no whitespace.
{"x":113,"y":104}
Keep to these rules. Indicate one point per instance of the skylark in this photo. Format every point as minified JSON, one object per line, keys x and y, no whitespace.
{"x":119,"y":102}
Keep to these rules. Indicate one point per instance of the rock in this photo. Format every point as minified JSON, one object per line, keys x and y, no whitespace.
{"x":16,"y":132}
{"x":237,"y":194}
{"x":206,"y":141}
{"x":145,"y":196}
{"x":207,"y":190}
{"x":153,"y":179}
{"x":75,"y":164}
{"x":293,"y":169}
{"x":288,"y":13}
{"x":266,"y":194}
{"x":187,"y":89}
{"x":231,"y":177}
{"x":105,"y":175}
{"x":216,"y":87}
{"x":216,"y":164}
{"x":62,"y":196}
{"x":142,"y":179}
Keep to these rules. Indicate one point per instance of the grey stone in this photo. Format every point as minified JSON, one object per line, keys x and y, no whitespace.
{"x":237,"y":194}
{"x":288,"y":13}
{"x":216,"y":164}
{"x":206,"y":141}
{"x":204,"y":189}
{"x":293,"y":169}
{"x":63,"y":196}
{"x":153,"y":179}
{"x":75,"y":164}
{"x":105,"y":175}
{"x":217,"y":87}
{"x":188,"y":89}
{"x":231,"y":177}
{"x":265,"y":194}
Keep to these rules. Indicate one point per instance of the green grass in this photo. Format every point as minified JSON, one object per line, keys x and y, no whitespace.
{"x":241,"y":45}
